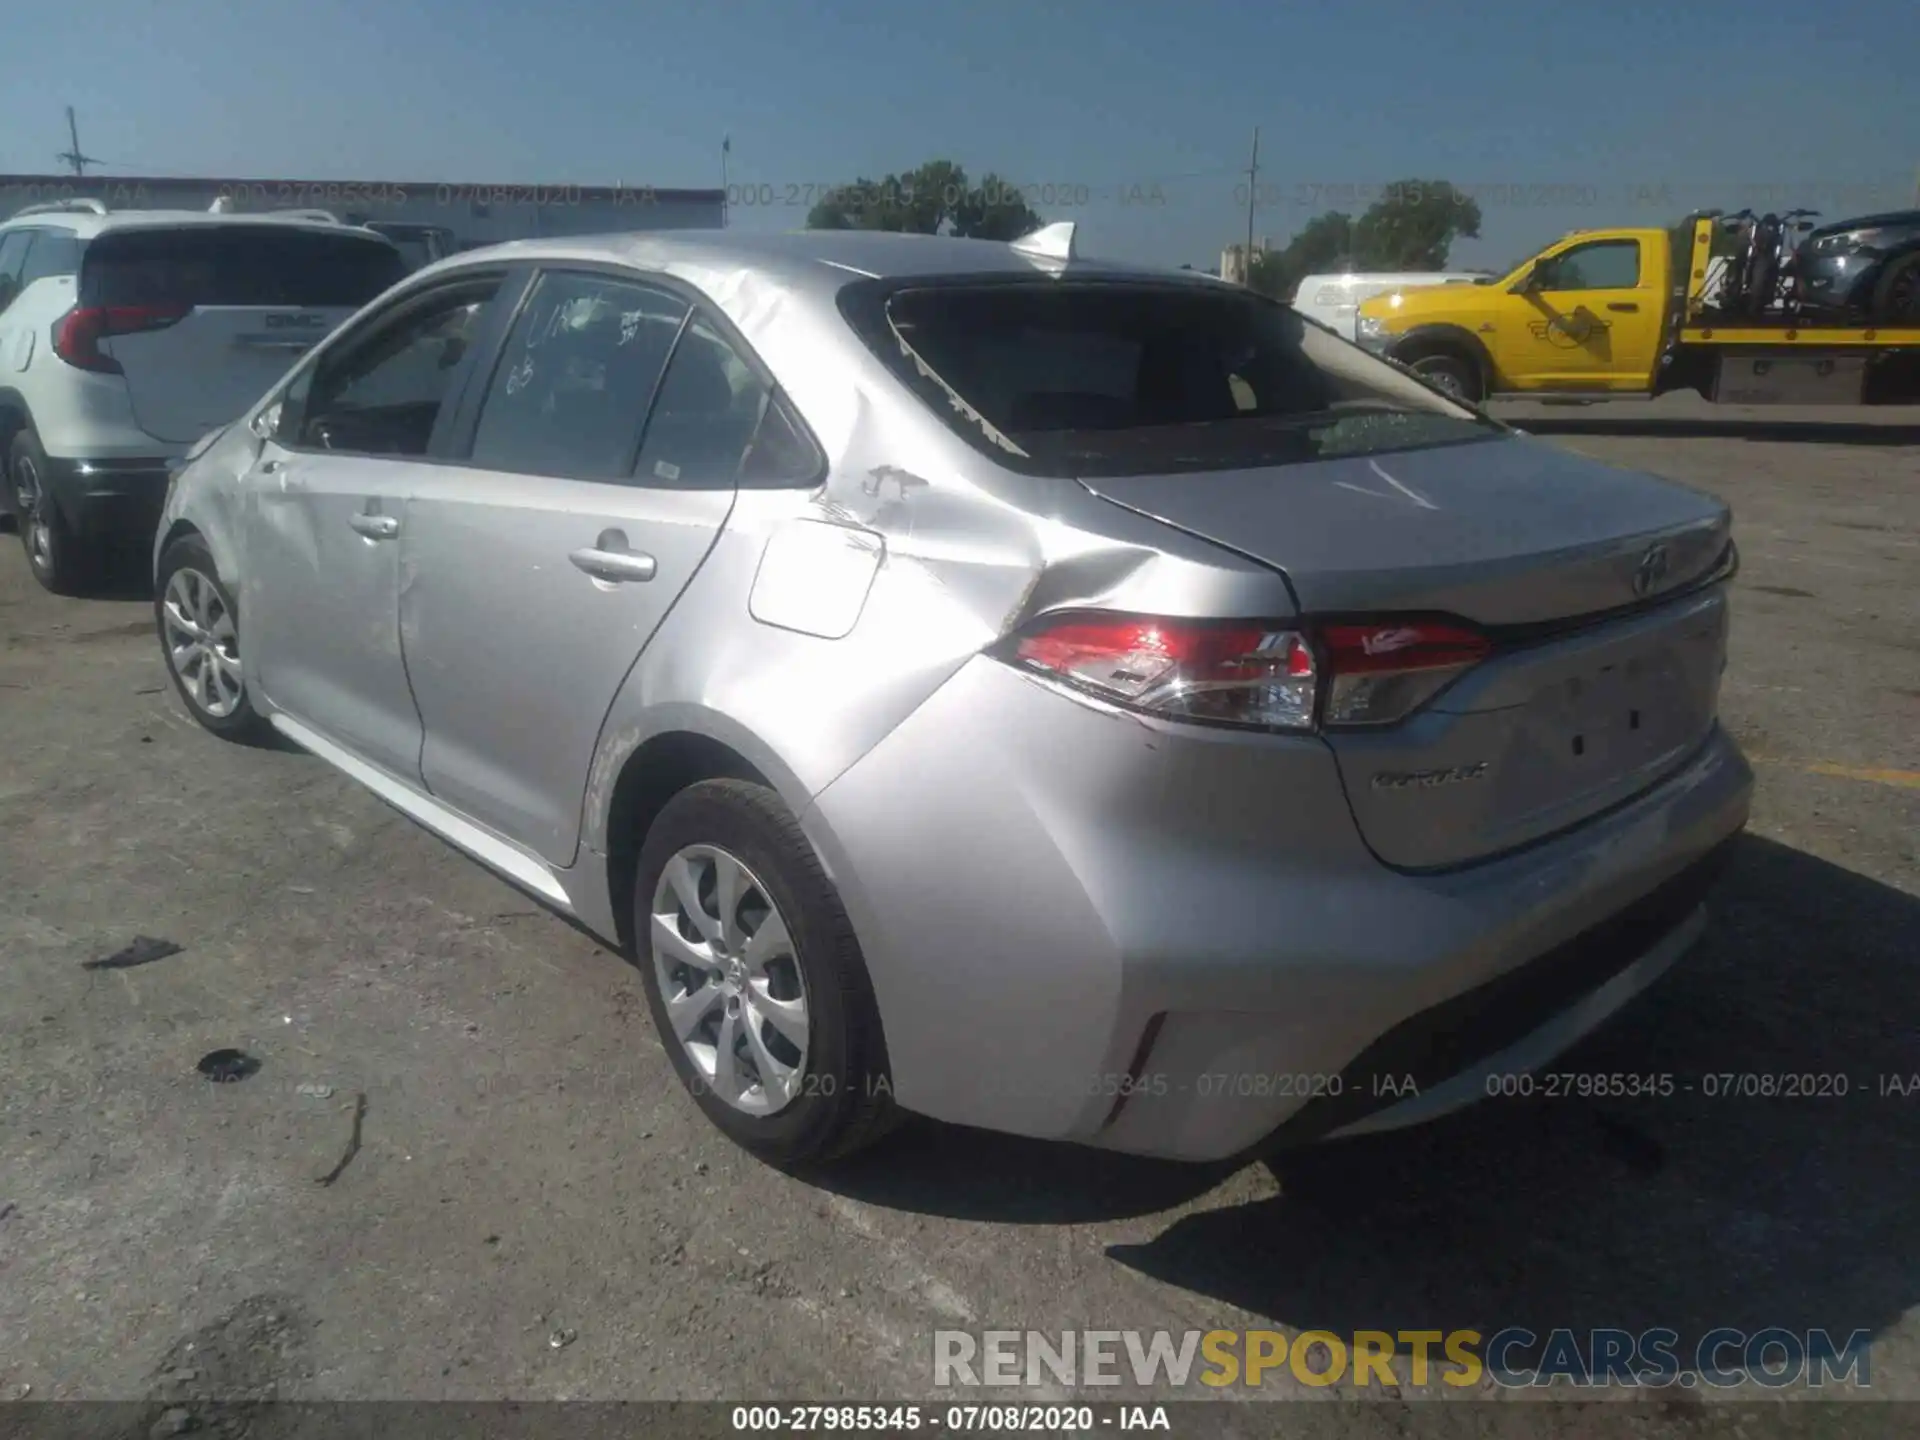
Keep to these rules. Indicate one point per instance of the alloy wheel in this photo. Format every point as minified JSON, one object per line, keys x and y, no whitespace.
{"x":203,"y":645}
{"x":731,"y":979}
{"x":31,"y":509}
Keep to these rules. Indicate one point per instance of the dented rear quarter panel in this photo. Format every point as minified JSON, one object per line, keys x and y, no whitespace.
{"x":961,"y":551}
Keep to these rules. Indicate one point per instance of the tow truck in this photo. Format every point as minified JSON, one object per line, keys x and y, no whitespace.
{"x":1627,"y":314}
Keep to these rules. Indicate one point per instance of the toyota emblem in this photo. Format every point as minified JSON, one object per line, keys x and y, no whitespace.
{"x":1651,"y":570}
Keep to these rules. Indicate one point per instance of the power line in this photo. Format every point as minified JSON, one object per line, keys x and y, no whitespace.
{"x":75,"y":157}
{"x":1253,"y":189}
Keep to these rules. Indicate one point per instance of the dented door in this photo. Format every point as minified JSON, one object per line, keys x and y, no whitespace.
{"x":326,"y":506}
{"x":324,"y":546}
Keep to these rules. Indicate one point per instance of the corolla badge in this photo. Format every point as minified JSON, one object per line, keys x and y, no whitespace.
{"x":1429,"y":779}
{"x":1651,"y":570}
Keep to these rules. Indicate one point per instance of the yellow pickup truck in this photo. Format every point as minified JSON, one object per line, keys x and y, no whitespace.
{"x":1613,"y":313}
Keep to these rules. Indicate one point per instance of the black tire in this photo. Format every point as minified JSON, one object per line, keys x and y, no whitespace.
{"x":243,"y":723}
{"x":844,"y":1099}
{"x":1762,"y":260}
{"x":1896,"y":298}
{"x":1450,"y":371}
{"x":63,"y":564}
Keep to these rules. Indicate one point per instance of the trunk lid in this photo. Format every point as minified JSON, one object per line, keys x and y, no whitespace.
{"x":1539,"y":737}
{"x":1571,"y":715}
{"x":255,"y":297}
{"x":1505,"y":531}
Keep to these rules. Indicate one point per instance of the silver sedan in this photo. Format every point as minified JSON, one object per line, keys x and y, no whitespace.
{"x":975,"y":680}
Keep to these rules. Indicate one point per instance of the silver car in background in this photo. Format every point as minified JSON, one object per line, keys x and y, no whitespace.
{"x":973,"y":680}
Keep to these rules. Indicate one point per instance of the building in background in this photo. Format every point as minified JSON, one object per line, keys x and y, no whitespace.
{"x":467,"y":213}
{"x":1233,"y":262}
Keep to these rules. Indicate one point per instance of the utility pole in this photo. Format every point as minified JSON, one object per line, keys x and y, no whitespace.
{"x":74,"y":157}
{"x":1253,"y":178}
{"x":726,"y":149}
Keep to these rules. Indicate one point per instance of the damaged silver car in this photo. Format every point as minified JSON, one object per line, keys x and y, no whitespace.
{"x":979,"y":681}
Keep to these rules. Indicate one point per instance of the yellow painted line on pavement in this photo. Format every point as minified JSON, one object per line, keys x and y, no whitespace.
{"x":1904,"y":779}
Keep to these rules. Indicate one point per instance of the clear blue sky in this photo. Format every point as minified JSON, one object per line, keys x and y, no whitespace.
{"x":1585,"y":109}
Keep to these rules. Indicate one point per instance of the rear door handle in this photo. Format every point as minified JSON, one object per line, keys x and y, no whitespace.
{"x":609,"y":559}
{"x":1625,"y":305}
{"x":376,"y":527}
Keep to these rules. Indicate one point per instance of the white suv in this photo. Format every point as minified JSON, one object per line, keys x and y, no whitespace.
{"x":125,"y":336}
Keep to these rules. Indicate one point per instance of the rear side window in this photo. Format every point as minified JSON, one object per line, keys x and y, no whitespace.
{"x":238,"y":265}
{"x":54,"y":253}
{"x":1112,"y":377}
{"x":707,"y":416}
{"x":13,"y":254}
{"x":573,"y":385}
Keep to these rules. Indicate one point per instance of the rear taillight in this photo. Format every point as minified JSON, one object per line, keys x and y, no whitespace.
{"x":78,"y":333}
{"x":1270,"y":676}
{"x":1240,"y":673}
{"x":1383,"y":671}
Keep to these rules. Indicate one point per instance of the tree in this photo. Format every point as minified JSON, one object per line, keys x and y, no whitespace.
{"x":1270,"y":274}
{"x":1414,"y":225}
{"x":994,"y":210}
{"x":1324,"y":243}
{"x":933,"y":199}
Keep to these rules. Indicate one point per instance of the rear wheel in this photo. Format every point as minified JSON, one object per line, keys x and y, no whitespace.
{"x":59,"y":561}
{"x":199,"y":628}
{"x":1450,"y":372}
{"x":757,"y":987}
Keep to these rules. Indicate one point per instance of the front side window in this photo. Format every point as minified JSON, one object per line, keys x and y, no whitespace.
{"x":1101,"y":378}
{"x":1602,"y":265}
{"x":574,"y":383}
{"x":383,"y":394}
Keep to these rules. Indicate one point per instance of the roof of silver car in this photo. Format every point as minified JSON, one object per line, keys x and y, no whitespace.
{"x":831,"y":256}
{"x":85,"y":224}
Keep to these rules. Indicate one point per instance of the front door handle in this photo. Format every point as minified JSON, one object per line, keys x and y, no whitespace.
{"x":609,"y":559}
{"x":1624,"y":305}
{"x":376,"y":527}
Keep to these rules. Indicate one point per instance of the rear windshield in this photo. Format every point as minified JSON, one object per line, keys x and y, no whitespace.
{"x":238,"y":265}
{"x":1101,"y":378}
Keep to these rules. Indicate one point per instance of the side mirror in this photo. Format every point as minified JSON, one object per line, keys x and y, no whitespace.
{"x":1534,"y":280}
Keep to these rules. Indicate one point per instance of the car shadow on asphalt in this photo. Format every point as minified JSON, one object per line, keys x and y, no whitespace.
{"x":1804,"y":432}
{"x":959,"y":1173}
{"x":126,"y":573}
{"x":1692,"y":1212}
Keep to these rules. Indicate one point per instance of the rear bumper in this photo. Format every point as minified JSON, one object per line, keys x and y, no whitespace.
{"x":1442,"y":1058}
{"x":103,"y":498}
{"x":1171,"y":941}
